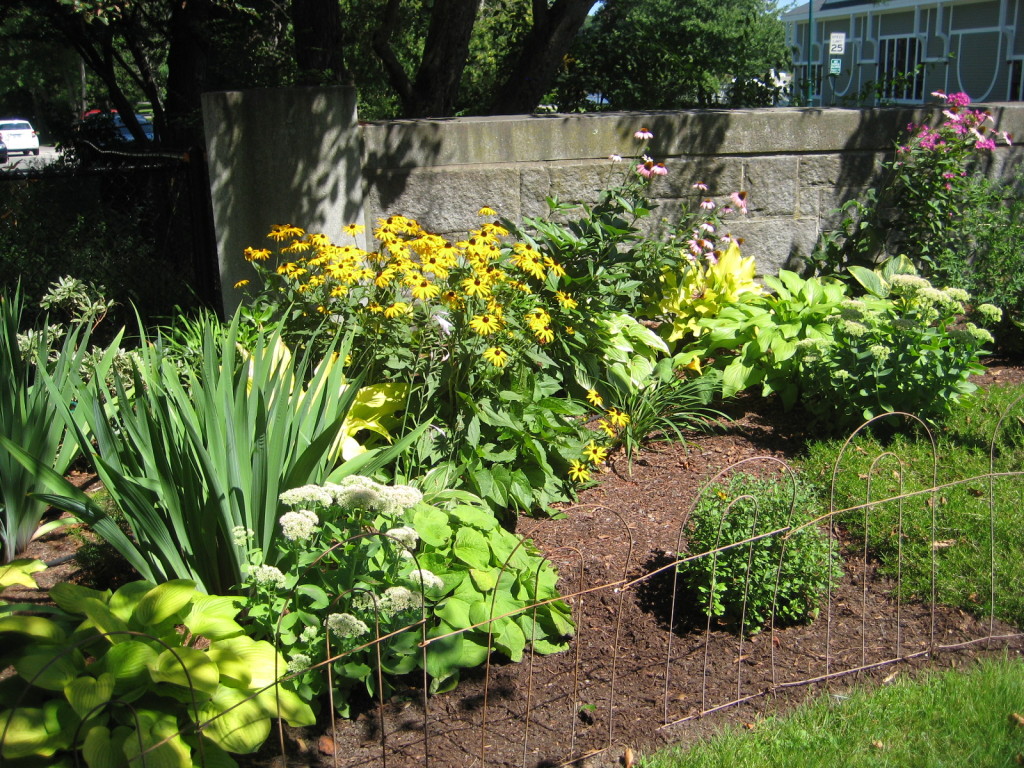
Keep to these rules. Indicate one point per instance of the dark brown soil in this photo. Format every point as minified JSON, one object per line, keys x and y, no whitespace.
{"x":628,"y":672}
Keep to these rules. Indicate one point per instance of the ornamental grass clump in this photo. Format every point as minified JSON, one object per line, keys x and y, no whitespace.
{"x":779,"y":579}
{"x":364,"y":573}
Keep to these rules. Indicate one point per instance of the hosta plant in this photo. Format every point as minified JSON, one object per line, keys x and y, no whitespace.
{"x":158,"y":675}
{"x":366,"y":572}
{"x":754,"y":340}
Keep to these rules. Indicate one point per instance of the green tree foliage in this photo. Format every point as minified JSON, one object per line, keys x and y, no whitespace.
{"x":663,"y":54}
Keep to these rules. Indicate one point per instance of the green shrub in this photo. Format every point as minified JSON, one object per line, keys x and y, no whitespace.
{"x":901,"y":349}
{"x":780,"y":578}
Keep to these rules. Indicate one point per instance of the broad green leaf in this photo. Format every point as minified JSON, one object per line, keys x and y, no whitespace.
{"x":33,"y":626}
{"x":103,"y":748}
{"x":28,"y":734}
{"x":86,"y":693}
{"x":124,"y":601}
{"x":187,"y":668}
{"x":70,"y":596}
{"x":471,"y":548}
{"x":872,"y":281}
{"x":455,"y":611}
{"x":484,"y":579}
{"x":172,"y":753}
{"x":234,"y":722}
{"x":250,"y":662}
{"x":19,"y":572}
{"x":213,"y":617}
{"x":280,"y":702}
{"x":483,"y":519}
{"x":128,"y":663}
{"x":104,"y":620}
{"x":164,"y":601}
{"x":432,"y":526}
{"x":50,"y":667}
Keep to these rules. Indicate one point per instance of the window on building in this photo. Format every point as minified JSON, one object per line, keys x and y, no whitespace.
{"x":900,"y":75}
{"x":1016,"y":81}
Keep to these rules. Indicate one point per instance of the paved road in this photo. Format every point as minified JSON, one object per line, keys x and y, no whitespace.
{"x":46,"y":156}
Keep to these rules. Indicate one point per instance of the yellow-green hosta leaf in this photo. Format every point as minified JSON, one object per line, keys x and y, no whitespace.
{"x":128,"y":663}
{"x":19,"y":572}
{"x":173,"y":753}
{"x":85,"y":694}
{"x":280,"y":702}
{"x":103,"y":748}
{"x":103,"y":619}
{"x":33,"y":626}
{"x":50,"y":667}
{"x":248,"y":662}
{"x":69,"y":596}
{"x":26,"y":734}
{"x":234,"y":722}
{"x":188,"y":668}
{"x":163,"y":601}
{"x":213,"y":617}
{"x":125,"y":599}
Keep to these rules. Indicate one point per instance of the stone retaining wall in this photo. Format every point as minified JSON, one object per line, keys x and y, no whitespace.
{"x":300,"y":156}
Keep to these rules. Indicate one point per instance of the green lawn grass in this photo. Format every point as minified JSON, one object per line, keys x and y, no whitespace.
{"x":956,"y":718}
{"x":965,"y":534}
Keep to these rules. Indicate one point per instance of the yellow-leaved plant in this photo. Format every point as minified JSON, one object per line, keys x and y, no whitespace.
{"x":701,"y":291}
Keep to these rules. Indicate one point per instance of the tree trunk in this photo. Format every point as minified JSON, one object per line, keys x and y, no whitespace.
{"x":445,"y":51}
{"x":187,"y":57}
{"x":543,"y":50}
{"x":318,"y":43}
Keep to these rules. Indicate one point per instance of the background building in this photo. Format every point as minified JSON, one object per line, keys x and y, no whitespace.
{"x":898,"y":52}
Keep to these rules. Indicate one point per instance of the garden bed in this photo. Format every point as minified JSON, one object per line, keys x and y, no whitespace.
{"x":624,"y":527}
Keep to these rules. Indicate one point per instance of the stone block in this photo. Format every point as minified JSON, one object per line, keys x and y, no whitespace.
{"x":771,"y":183}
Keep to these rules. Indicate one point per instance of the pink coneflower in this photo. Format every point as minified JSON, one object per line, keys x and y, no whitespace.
{"x":700,"y":185}
{"x":659,"y":169}
{"x":1007,"y":138}
{"x":707,"y":226}
{"x":739,"y":199}
{"x":615,"y":158}
{"x":707,"y":204}
{"x":643,"y":134}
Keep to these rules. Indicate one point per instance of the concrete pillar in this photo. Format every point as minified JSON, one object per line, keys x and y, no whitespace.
{"x":279,"y":156}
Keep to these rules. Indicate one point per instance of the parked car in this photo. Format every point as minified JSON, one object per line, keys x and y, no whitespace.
{"x":107,"y":130}
{"x":3,"y":152}
{"x":19,"y":136}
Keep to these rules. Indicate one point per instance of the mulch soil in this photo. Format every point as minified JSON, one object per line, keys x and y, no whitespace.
{"x":634,"y":673}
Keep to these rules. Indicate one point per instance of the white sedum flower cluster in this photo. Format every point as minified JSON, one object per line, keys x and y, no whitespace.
{"x":307,"y":495}
{"x":399,"y":599}
{"x":299,"y":525}
{"x":345,"y":625}
{"x":426,"y":579}
{"x":268,"y":576}
{"x":358,"y":492}
{"x":405,"y":535}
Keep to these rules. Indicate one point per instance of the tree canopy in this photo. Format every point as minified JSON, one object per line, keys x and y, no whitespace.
{"x":407,"y":58}
{"x":666,"y":54}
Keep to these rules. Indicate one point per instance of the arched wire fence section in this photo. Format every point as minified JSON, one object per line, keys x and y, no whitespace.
{"x":555,"y":709}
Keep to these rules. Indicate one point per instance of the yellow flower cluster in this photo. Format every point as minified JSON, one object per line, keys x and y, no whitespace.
{"x":611,"y":424}
{"x":479,"y":279}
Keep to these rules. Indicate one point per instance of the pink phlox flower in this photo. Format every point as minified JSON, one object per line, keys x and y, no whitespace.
{"x":700,"y":185}
{"x":948,"y":175}
{"x":707,"y":204}
{"x":643,"y":134}
{"x":960,"y":99}
{"x":985,"y":144}
{"x":739,"y":199}
{"x":615,"y":158}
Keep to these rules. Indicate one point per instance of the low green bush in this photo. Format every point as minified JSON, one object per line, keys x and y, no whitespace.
{"x":780,"y":578}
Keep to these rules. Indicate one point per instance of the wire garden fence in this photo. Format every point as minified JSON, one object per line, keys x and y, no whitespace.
{"x":616,"y":688}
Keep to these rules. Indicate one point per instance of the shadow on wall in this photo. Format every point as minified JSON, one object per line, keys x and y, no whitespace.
{"x":282,"y":156}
